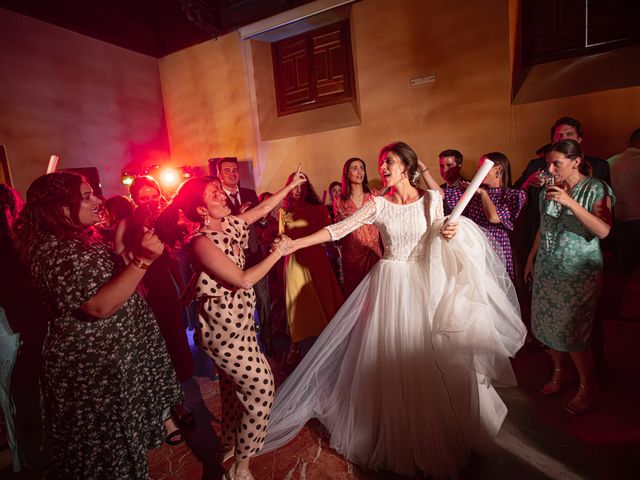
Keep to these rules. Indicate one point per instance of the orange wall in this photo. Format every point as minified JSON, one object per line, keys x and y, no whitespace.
{"x":207,"y":102}
{"x":465,"y":44}
{"x":91,"y":102}
{"x":101,"y":105}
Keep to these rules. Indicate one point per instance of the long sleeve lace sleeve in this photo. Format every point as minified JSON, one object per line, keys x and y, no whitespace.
{"x":365,"y":215}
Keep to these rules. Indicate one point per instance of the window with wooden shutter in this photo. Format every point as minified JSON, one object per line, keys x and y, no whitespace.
{"x":556,"y":29}
{"x":313,"y":69}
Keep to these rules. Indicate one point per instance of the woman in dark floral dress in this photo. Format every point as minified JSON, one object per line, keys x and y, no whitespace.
{"x":107,"y":380}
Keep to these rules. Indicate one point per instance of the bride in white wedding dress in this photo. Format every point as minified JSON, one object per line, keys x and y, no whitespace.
{"x":403,"y":375}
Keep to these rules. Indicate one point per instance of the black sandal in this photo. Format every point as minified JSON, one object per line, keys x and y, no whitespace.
{"x":174,"y":438}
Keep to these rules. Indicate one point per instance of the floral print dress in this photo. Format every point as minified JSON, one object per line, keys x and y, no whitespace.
{"x":106,"y":381}
{"x":568,"y":271}
{"x":508,"y":203}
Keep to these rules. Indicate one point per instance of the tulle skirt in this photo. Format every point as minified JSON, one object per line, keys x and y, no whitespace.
{"x":403,"y":375}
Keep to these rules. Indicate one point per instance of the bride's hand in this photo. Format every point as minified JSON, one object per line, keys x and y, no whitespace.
{"x":284,"y":245}
{"x":449,"y":230}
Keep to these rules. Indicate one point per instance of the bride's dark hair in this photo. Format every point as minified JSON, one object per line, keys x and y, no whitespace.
{"x":407,"y":155}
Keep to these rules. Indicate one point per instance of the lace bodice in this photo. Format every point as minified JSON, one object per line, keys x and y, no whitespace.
{"x":402,"y":227}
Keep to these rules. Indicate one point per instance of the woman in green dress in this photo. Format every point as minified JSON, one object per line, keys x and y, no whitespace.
{"x":575,"y":216}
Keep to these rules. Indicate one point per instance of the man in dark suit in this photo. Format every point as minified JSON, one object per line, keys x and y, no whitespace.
{"x":565,"y":128}
{"x":241,"y":199}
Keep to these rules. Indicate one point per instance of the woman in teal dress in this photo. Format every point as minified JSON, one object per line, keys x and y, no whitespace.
{"x":567,"y":277}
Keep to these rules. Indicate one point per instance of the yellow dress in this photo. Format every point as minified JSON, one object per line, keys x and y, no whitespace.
{"x":312,"y":293}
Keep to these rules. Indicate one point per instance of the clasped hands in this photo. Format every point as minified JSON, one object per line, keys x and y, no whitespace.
{"x":283,"y":244}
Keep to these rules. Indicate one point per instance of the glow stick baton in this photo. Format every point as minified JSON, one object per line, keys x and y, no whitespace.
{"x":470,"y":191}
{"x":53,"y":163}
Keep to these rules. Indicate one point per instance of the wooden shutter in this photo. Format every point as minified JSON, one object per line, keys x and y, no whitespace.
{"x":314,"y":69}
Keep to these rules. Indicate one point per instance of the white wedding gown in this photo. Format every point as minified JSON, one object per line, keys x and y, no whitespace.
{"x":403,"y":375}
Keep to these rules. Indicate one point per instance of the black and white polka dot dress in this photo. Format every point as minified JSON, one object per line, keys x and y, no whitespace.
{"x":226,"y":333}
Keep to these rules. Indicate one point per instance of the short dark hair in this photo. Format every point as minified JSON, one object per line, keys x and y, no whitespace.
{"x":634,"y":139}
{"x":225,"y":160}
{"x":119,"y":207}
{"x":572,"y":150}
{"x":543,"y":149}
{"x":572,"y":122}
{"x":452,"y":153}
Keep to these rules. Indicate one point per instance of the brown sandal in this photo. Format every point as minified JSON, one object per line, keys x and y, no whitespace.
{"x":558,"y":379}
{"x":581,"y":402}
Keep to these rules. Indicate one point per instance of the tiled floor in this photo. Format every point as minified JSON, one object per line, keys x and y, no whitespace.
{"x":538,"y":441}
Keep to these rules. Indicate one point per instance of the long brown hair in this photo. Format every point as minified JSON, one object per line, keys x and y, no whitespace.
{"x":345,"y":192}
{"x":51,"y":209}
{"x":311,"y":197}
{"x":503,"y":161}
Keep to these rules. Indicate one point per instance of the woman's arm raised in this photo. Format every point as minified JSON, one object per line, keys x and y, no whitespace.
{"x":263,"y":208}
{"x":428,"y":178}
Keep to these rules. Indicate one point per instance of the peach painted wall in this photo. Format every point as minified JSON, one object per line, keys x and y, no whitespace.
{"x":207,"y":102}
{"x":91,"y":102}
{"x":97,"y":104}
{"x":210,"y":103}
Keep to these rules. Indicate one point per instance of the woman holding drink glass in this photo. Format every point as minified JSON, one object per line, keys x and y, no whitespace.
{"x":567,"y":276}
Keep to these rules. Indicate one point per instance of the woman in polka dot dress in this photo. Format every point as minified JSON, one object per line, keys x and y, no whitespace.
{"x":226,"y":302}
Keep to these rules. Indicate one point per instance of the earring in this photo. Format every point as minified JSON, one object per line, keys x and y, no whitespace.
{"x":205,"y":220}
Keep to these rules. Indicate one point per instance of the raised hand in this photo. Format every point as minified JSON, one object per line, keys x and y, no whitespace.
{"x":533,"y":180}
{"x":559,"y":195}
{"x":298,"y":178}
{"x":150,"y":246}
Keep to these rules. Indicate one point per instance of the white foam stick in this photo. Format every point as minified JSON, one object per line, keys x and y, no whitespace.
{"x":471,"y":189}
{"x":53,"y":163}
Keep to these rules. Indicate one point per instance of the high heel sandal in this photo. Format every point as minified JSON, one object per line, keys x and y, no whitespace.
{"x":227,"y":455}
{"x":581,"y":402}
{"x":233,"y":474}
{"x":557,"y":381}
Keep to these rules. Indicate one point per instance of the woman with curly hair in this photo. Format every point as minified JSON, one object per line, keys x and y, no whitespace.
{"x":312,"y":292}
{"x":107,"y":382}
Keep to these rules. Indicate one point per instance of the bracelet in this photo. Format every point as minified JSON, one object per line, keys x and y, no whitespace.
{"x":140,"y":264}
{"x":426,"y":169}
